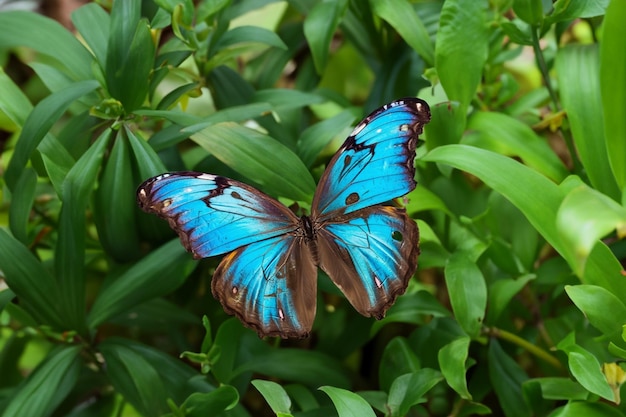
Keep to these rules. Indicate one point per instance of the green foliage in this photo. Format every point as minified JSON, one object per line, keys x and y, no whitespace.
{"x":518,"y":306}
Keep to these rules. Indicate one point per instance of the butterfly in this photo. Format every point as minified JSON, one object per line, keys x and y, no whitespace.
{"x":365,"y":244}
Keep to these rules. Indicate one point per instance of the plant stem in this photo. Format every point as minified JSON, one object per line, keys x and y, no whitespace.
{"x":526,"y":345}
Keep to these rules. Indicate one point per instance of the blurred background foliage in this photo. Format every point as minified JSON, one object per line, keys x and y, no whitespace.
{"x":517,"y":308}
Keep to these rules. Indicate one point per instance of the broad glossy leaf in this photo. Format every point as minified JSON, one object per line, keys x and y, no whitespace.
{"x":399,"y":358}
{"x":304,"y":366}
{"x":316,"y":137}
{"x":275,"y":395}
{"x":29,"y":280}
{"x":506,"y":378}
{"x":13,"y":102}
{"x":508,"y":136}
{"x":604,"y":310}
{"x":39,"y":122}
{"x":452,"y":362}
{"x":613,"y":87}
{"x":462,"y":42}
{"x":93,"y":24}
{"x":284,"y":99}
{"x":245,"y":34}
{"x":586,"y":216}
{"x":587,"y":409}
{"x":115,"y":218}
{"x":157,"y":274}
{"x":48,"y":38}
{"x":21,"y":204}
{"x":468,"y":292}
{"x":447,"y":124}
{"x":401,"y":15}
{"x":319,"y":27}
{"x":530,"y":11}
{"x":347,"y":403}
{"x":409,"y":389}
{"x":586,"y":368}
{"x":579,"y":77}
{"x":201,"y":404}
{"x":564,"y":10}
{"x":502,"y":292}
{"x":50,"y":383}
{"x":258,"y":157}
{"x":135,"y":378}
{"x":414,"y":308}
{"x":557,"y":388}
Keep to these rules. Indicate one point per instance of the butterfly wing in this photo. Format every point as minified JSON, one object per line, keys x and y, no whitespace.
{"x":269,"y":278}
{"x":214,"y":215}
{"x":270,"y":286}
{"x":370,"y":255}
{"x":375,"y":163}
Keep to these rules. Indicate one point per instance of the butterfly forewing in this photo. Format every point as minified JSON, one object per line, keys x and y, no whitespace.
{"x":375,"y":163}
{"x":214,"y":215}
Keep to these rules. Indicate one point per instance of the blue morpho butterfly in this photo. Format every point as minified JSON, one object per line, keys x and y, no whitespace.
{"x":268,"y":278}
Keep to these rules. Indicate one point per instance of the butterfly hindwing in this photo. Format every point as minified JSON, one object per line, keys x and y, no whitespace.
{"x":270,"y":286}
{"x":370,"y":256}
{"x":375,"y":163}
{"x":214,"y":215}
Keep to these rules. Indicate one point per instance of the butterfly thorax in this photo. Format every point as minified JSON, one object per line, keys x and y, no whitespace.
{"x":308,"y":232}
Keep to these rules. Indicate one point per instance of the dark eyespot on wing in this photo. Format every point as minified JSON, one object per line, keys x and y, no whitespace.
{"x":352,"y":198}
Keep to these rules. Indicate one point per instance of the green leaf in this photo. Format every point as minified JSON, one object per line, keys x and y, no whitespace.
{"x":605,"y":311}
{"x":409,"y":389}
{"x":468,"y":292}
{"x":135,"y":378}
{"x":399,"y":358}
{"x":502,"y":292}
{"x":613,"y":87}
{"x":21,"y":204}
{"x":50,"y":383}
{"x":564,"y":10}
{"x":13,"y":102}
{"x":578,"y":71}
{"x":115,"y":218}
{"x":255,"y":156}
{"x":556,"y":388}
{"x":30,"y":281}
{"x":316,"y":137}
{"x":130,"y":55}
{"x":586,"y":368}
{"x":320,"y":26}
{"x":588,"y":409}
{"x":462,"y":42}
{"x":452,"y":359}
{"x":244,"y":34}
{"x":595,"y":216}
{"x":201,"y":404}
{"x":39,"y":122}
{"x":347,"y":403}
{"x":508,"y":136}
{"x":447,"y":124}
{"x":306,"y":367}
{"x":284,"y":99}
{"x":142,"y":282}
{"x":530,"y":11}
{"x":275,"y":395}
{"x":506,"y":378}
{"x":401,"y":15}
{"x":93,"y":24}
{"x":49,"y":39}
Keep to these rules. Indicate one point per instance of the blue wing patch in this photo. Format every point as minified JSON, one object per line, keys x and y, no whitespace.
{"x":269,"y":285}
{"x":375,"y":163}
{"x":370,"y":256}
{"x":214,"y":215}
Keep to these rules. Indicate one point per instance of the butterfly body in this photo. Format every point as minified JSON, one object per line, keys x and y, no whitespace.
{"x":268,"y":278}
